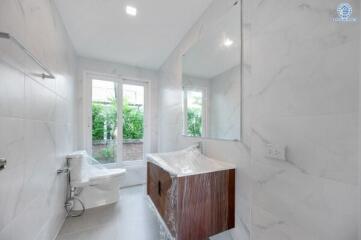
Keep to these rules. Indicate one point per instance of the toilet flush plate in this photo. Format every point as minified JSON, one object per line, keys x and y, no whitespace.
{"x":276,"y":151}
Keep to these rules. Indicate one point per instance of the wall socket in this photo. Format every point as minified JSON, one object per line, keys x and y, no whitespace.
{"x":276,"y":151}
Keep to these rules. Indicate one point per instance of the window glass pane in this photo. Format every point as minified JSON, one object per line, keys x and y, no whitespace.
{"x":104,"y":119}
{"x":133,"y":122}
{"x":194,"y":113}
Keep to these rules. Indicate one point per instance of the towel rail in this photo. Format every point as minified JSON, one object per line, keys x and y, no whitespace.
{"x":7,"y":36}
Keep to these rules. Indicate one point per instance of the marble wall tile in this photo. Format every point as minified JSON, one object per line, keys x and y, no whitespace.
{"x":37,"y":120}
{"x":12,"y":146}
{"x":40,"y":102}
{"x":304,"y":95}
{"x":12,"y":97}
{"x":225,"y":105}
{"x":300,"y":89}
{"x":63,"y":110}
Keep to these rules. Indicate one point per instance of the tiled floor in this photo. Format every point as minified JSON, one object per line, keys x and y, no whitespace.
{"x":131,"y":218}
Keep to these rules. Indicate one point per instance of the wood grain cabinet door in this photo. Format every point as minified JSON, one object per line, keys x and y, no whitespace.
{"x":193,"y":207}
{"x":161,"y":191}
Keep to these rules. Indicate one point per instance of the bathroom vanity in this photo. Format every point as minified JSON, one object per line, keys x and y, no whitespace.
{"x":194,"y":195}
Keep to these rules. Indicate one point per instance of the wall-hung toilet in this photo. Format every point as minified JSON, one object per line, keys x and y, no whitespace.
{"x":95,"y":185}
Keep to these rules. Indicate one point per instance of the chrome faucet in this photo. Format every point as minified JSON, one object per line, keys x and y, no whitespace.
{"x":200,"y":146}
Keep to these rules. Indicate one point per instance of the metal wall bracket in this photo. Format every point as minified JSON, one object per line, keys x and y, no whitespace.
{"x":64,"y":170}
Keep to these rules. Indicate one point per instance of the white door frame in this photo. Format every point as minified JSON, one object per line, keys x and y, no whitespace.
{"x":87,"y":113}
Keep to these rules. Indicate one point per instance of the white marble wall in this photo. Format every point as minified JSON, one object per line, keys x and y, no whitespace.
{"x":36,"y":121}
{"x":304,"y":95}
{"x":300,"y":89}
{"x":225,"y":105}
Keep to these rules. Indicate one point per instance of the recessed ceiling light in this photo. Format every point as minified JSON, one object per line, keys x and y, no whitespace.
{"x":228,"y":42}
{"x":132,"y":11}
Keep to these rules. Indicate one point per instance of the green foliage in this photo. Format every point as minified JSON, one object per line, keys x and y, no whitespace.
{"x":107,"y":153}
{"x":194,"y":122}
{"x":105,"y":125}
{"x":132,"y":122}
{"x":98,"y":121}
{"x":105,"y":121}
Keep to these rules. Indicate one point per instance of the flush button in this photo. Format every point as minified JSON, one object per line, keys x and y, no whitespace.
{"x":2,"y":163}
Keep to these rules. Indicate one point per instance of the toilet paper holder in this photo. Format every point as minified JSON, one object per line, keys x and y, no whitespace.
{"x":3,"y":163}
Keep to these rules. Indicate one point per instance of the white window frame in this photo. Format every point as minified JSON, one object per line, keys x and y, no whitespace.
{"x":204,"y":91}
{"x":87,"y":113}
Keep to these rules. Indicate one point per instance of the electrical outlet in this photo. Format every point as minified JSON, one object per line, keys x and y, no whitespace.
{"x":276,"y":151}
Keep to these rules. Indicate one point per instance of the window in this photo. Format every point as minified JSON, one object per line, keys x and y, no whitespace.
{"x":116,"y":123}
{"x":104,"y":119}
{"x":133,"y":122}
{"x":194,"y":102}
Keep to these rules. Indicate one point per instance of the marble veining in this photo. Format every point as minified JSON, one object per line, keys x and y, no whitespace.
{"x":291,"y":96}
{"x":187,"y":162}
{"x":36,"y":121}
{"x":294,"y":93}
{"x":298,"y":100}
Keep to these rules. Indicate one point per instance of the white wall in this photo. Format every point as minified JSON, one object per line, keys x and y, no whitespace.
{"x":195,"y":82}
{"x":305,"y":95}
{"x":225,"y":105}
{"x":36,"y":122}
{"x":300,"y":89}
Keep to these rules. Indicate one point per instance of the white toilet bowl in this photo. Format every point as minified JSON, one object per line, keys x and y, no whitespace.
{"x":95,"y":186}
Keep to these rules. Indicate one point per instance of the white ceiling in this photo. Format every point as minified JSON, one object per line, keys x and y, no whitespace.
{"x":209,"y":57}
{"x":101,"y":29}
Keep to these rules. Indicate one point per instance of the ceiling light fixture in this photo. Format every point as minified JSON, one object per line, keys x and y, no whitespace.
{"x":228,"y":42}
{"x":132,"y":11}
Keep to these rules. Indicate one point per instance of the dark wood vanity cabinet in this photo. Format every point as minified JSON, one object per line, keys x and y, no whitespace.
{"x":159,"y":184}
{"x":193,"y":207}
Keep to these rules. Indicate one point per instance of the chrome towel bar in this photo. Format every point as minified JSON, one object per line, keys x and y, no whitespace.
{"x":9,"y":37}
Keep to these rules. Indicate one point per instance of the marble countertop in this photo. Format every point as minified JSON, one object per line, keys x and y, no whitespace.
{"x":189,"y":161}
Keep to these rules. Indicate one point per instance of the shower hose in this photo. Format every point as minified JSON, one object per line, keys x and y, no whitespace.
{"x":71,"y":198}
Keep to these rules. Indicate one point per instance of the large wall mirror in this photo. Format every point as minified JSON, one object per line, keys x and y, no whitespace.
{"x":212,"y":85}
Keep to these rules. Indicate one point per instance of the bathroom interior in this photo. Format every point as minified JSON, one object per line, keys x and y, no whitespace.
{"x":180,"y":120}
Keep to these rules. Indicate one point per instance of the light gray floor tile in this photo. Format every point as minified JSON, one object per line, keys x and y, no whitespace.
{"x":132,"y":218}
